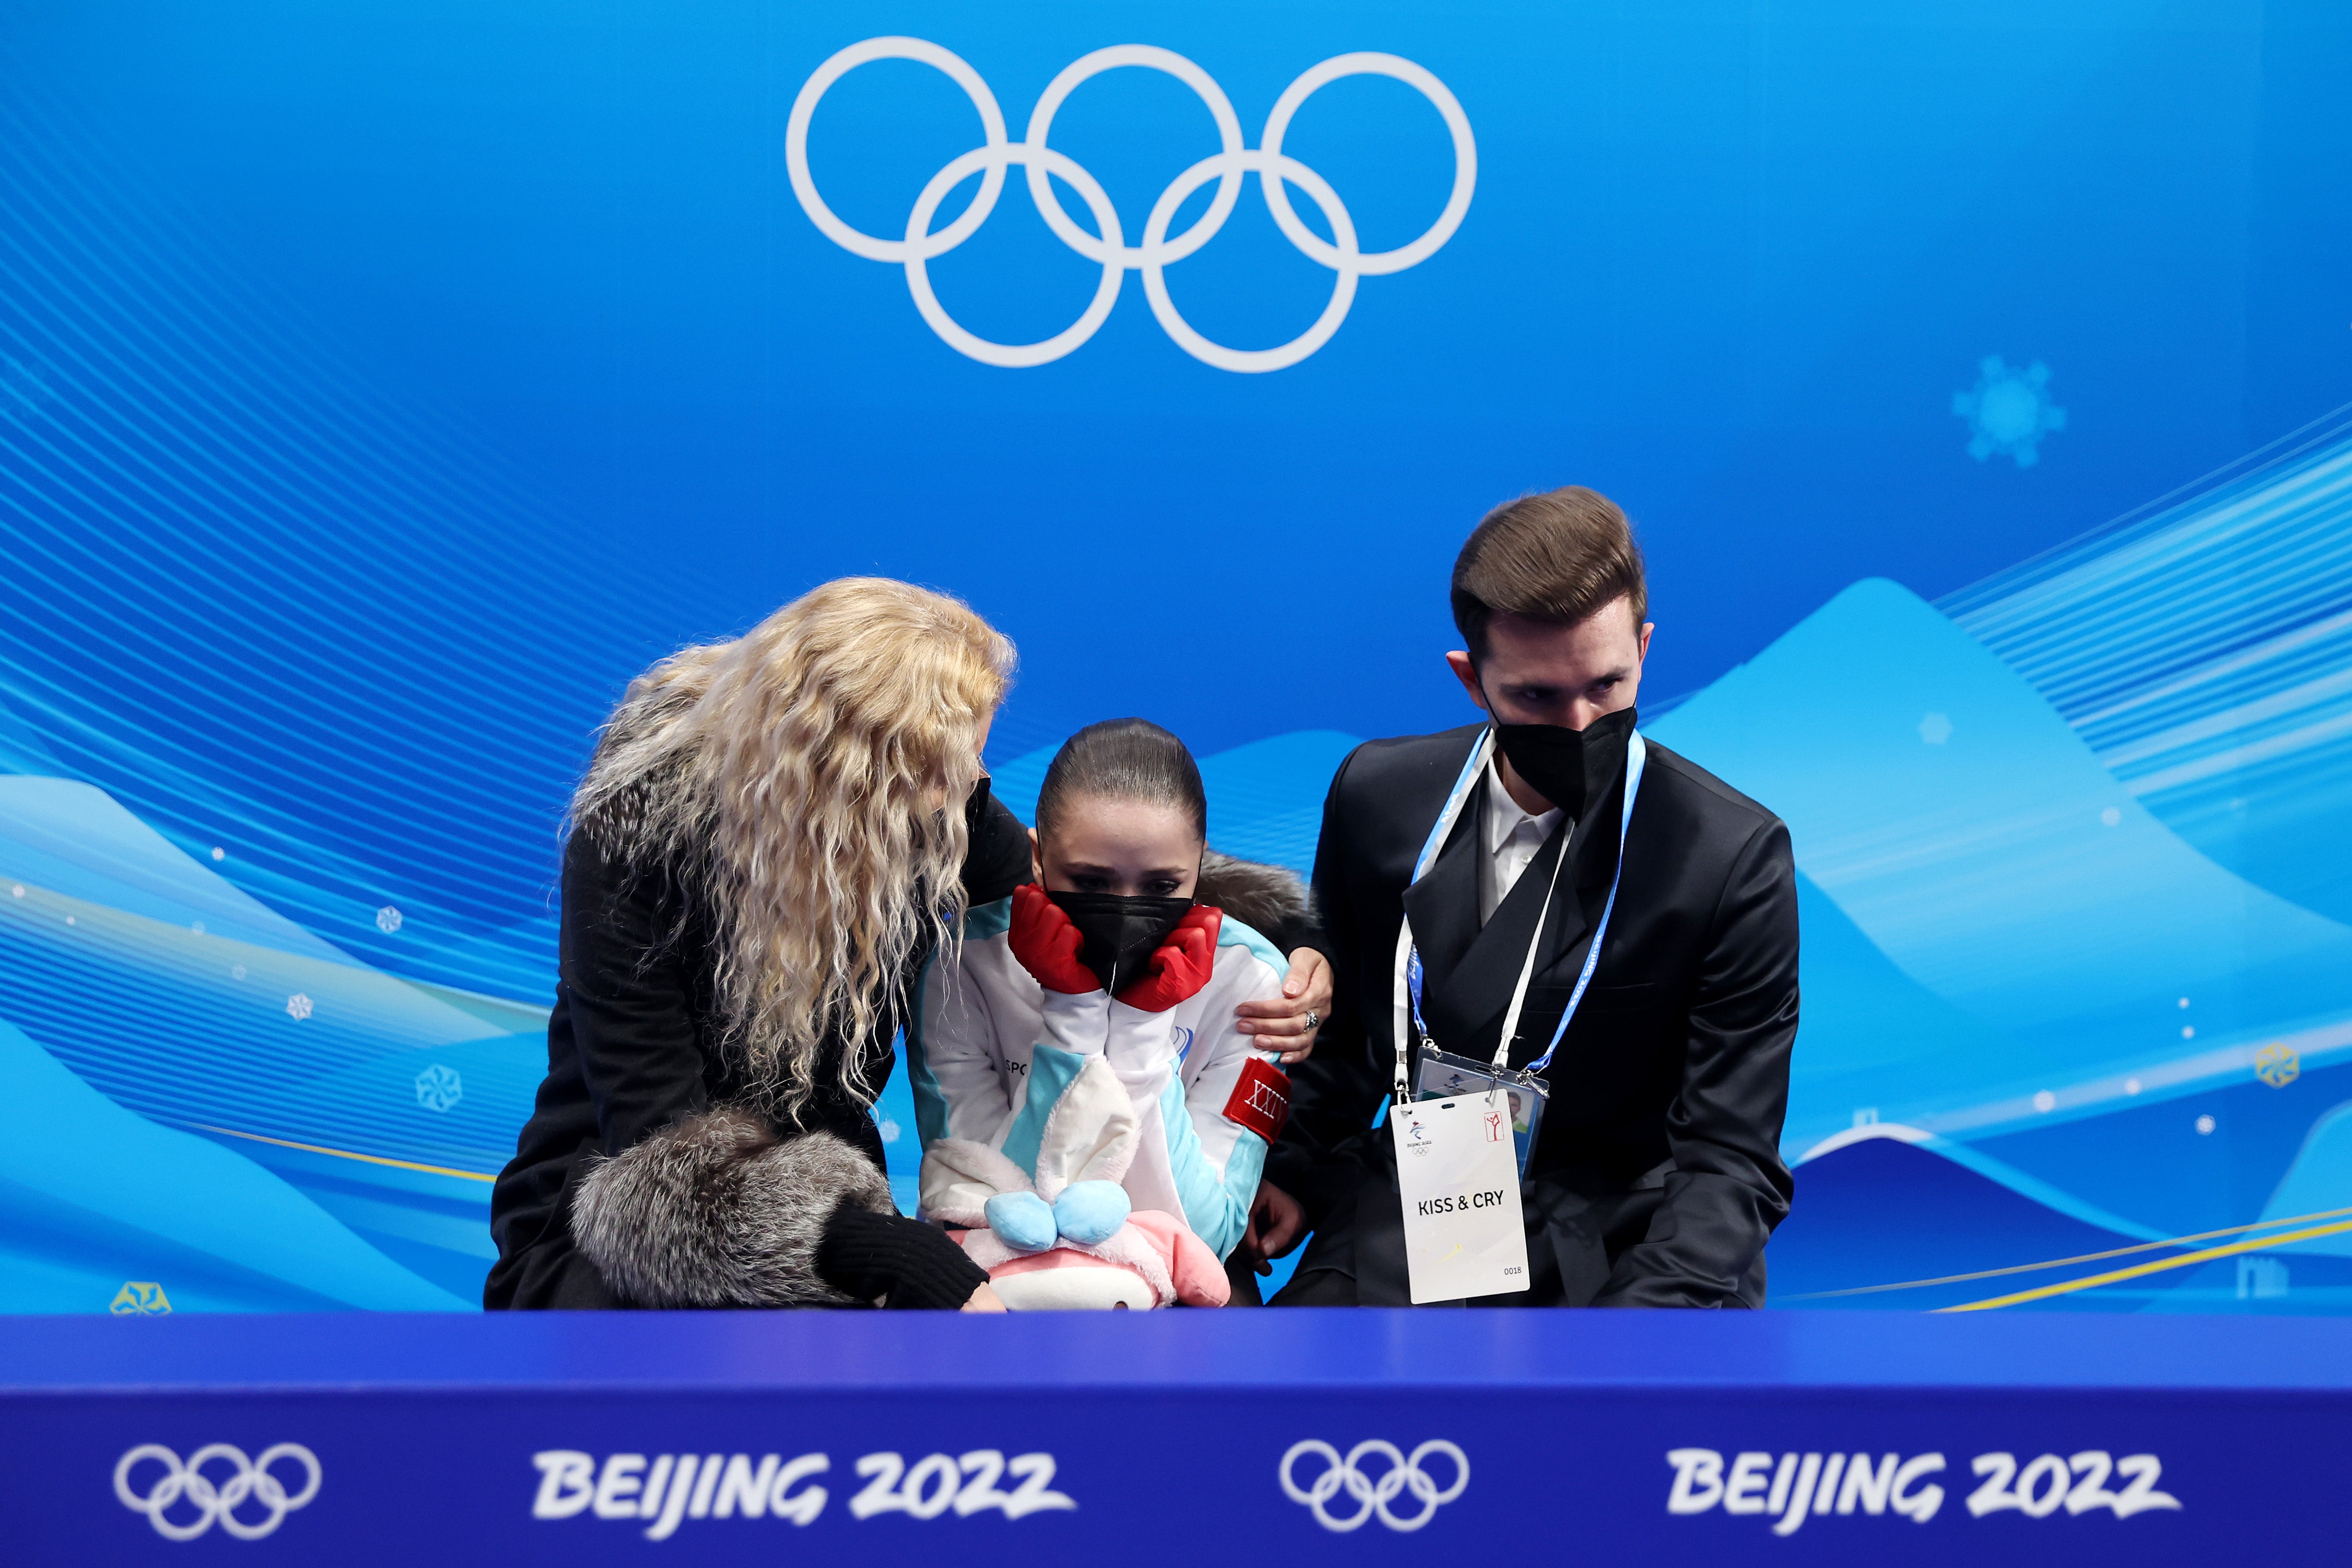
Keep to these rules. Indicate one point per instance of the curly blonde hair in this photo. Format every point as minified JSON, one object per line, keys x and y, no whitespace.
{"x":805,"y":785}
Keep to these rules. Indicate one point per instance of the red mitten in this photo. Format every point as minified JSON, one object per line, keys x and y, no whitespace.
{"x":1047,"y":945}
{"x":1182,"y":965}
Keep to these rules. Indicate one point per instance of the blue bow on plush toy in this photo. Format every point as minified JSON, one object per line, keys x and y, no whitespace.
{"x":1060,"y":1234}
{"x":1088,"y":1212}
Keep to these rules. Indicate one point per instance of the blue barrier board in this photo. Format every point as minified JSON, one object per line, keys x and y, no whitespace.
{"x":1170,"y":1437}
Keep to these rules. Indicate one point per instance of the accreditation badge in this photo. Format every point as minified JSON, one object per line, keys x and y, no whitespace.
{"x":1444,"y":1074}
{"x":1458,"y":1175}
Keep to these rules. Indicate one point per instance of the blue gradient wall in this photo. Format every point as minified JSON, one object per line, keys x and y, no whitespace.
{"x":380,"y":386}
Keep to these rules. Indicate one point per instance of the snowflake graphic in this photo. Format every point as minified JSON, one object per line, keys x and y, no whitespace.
{"x":2009,"y":411}
{"x":387,"y":920}
{"x":297,"y":1006}
{"x":438,"y":1086}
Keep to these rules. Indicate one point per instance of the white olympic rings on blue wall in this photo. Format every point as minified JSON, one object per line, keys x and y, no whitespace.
{"x":216,"y":1501}
{"x":1372,"y":1494}
{"x":1108,"y":247}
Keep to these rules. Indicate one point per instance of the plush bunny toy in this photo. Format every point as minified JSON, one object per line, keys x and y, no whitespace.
{"x":1068,"y":1240}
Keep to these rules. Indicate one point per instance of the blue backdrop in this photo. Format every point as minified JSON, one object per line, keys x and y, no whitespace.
{"x":381,"y":385}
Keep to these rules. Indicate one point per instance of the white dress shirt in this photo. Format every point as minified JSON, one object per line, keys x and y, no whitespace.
{"x":1512,"y":839}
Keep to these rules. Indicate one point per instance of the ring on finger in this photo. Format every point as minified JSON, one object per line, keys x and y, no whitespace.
{"x":1314,"y":1019}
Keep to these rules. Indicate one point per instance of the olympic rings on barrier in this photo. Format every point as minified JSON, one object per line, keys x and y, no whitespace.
{"x":1232,"y":161}
{"x":1404,"y":1474}
{"x":215,"y":1502}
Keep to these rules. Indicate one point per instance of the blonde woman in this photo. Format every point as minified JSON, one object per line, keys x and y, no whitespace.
{"x":773,"y":836}
{"x":774,"y":833}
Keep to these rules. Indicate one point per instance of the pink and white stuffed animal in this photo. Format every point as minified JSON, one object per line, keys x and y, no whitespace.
{"x":1069,"y":1240}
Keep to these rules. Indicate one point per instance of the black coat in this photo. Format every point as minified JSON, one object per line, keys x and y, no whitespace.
{"x":632,"y":1049}
{"x":1656,"y":1178}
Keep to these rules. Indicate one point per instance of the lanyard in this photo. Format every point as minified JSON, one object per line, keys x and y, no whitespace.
{"x":1408,"y":957}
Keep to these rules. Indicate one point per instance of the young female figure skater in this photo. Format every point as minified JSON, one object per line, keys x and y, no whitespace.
{"x":1090,"y":1110}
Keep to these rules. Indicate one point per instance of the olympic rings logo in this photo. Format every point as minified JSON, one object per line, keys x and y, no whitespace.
{"x":1107,"y":247}
{"x":1373,"y":1495}
{"x":214,"y":1500}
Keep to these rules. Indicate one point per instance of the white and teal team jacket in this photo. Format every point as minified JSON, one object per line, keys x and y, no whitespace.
{"x":989,"y":1050}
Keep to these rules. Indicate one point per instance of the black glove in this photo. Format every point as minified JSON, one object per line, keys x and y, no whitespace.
{"x":907,"y":1262}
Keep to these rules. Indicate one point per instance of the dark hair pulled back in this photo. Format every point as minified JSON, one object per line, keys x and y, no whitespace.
{"x":1124,"y":759}
{"x":1552,"y":558}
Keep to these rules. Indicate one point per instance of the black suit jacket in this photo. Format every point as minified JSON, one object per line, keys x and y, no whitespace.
{"x":1656,"y":1178}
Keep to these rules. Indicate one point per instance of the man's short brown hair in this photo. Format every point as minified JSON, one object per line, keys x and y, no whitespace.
{"x":1554,"y":558}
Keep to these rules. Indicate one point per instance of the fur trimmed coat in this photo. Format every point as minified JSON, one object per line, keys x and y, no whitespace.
{"x":644,"y":1177}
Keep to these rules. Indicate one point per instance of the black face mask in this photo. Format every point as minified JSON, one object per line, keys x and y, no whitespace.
{"x":1120,"y":931}
{"x":1568,"y":767}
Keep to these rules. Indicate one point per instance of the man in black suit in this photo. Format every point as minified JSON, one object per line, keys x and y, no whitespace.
{"x":1655,"y":1177}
